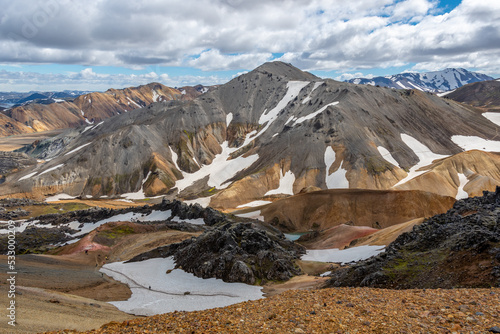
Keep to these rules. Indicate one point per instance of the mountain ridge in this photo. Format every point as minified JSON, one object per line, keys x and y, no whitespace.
{"x":435,"y":81}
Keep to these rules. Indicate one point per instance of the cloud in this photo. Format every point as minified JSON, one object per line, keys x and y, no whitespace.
{"x":87,"y":79}
{"x":215,"y":35}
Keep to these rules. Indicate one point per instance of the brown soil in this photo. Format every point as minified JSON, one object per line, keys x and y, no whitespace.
{"x":387,"y":235}
{"x":340,"y":310}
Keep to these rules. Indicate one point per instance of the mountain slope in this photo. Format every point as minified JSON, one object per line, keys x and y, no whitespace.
{"x":270,"y":132}
{"x":84,"y":109}
{"x":437,"y":81}
{"x":485,"y":94}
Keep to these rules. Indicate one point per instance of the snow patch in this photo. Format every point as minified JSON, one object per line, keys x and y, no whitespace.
{"x":27,"y":176}
{"x":312,"y":115}
{"x":493,"y":117}
{"x":445,"y":93}
{"x":138,"y":106}
{"x":203,"y":201}
{"x":285,"y":185}
{"x":219,"y":171}
{"x":387,"y":155}
{"x":59,"y":197}
{"x":229,"y":118}
{"x":424,"y":154}
{"x":468,"y":143}
{"x":338,"y":178}
{"x":461,"y":193}
{"x":253,"y":215}
{"x":77,"y":149}
{"x":155,"y":95}
{"x":139,"y":194}
{"x":308,"y":97}
{"x":51,"y":169}
{"x":342,"y":256}
{"x":253,"y":204}
{"x":155,"y":292}
{"x":293,"y":89}
{"x":400,"y":85}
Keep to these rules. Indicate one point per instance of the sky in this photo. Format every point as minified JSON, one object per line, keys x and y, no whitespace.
{"x":101,"y":44}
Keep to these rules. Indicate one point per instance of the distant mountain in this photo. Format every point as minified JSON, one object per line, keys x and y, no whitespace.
{"x":438,"y":81}
{"x":484,"y":94}
{"x":39,"y":112}
{"x":270,"y":133}
{"x":16,"y":98}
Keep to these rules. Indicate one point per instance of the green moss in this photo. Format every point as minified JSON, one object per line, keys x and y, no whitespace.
{"x":375,"y":165}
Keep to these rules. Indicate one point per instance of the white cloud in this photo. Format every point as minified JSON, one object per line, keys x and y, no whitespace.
{"x":89,"y":80}
{"x":239,"y":35}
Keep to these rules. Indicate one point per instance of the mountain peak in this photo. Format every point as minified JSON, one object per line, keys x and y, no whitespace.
{"x":286,"y":70}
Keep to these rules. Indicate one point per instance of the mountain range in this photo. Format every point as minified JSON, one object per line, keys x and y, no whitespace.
{"x":436,"y":81}
{"x":39,"y":112}
{"x":269,"y":134}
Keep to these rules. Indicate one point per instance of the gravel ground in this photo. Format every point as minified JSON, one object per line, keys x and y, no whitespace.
{"x":336,"y":310}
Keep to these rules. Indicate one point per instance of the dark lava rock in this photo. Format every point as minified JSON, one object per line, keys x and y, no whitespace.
{"x":234,"y":252}
{"x":36,"y":240}
{"x":460,"y":248}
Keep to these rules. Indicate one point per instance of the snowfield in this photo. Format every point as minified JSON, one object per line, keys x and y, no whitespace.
{"x":342,"y":256}
{"x":338,"y":178}
{"x":285,"y":186}
{"x":424,"y":154}
{"x":155,"y":292}
{"x":468,"y":143}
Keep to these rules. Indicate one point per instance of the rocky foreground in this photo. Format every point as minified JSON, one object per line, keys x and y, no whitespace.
{"x":336,"y":310}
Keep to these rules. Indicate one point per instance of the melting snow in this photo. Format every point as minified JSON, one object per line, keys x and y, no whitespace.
{"x":77,"y":149}
{"x":219,"y":171}
{"x":203,"y":201}
{"x":229,"y":118}
{"x":387,"y":155}
{"x":138,"y":106}
{"x":461,"y":193}
{"x":253,"y":204}
{"x":27,"y":176}
{"x":183,"y":92}
{"x":342,"y":256}
{"x":51,"y":169}
{"x":316,"y":85}
{"x":139,"y":194}
{"x":58,"y":100}
{"x":176,"y":291}
{"x":312,"y":115}
{"x":59,"y":197}
{"x":253,"y":215}
{"x":155,"y":95}
{"x":424,"y":154}
{"x":285,"y":186}
{"x":338,"y":178}
{"x":476,"y":143}
{"x":493,"y":117}
{"x":445,"y":93}
{"x":401,"y":85}
{"x":294,"y":88}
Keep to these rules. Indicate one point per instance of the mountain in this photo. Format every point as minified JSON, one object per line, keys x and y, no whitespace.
{"x":437,"y":81}
{"x":51,"y":112}
{"x":269,"y":134}
{"x":484,"y":94}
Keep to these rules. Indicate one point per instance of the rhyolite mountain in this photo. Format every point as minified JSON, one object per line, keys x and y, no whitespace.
{"x":484,"y":94}
{"x":436,"y":81}
{"x":268,"y":134}
{"x":42,"y":112}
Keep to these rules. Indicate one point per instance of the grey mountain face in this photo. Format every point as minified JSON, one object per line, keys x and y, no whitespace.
{"x":437,"y":81}
{"x":275,"y":130}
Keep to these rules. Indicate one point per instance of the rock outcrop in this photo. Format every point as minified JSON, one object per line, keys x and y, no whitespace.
{"x":460,"y":248}
{"x":235,"y":252}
